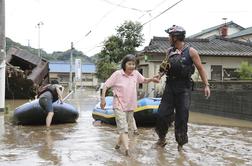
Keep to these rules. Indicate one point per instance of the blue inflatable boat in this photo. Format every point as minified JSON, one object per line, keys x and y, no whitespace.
{"x":32,"y":114}
{"x":145,"y":114}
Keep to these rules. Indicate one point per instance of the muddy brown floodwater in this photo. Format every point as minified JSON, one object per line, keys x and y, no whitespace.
{"x":213,"y":140}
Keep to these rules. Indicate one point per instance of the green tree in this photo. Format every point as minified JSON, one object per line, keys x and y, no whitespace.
{"x":104,"y":68}
{"x":245,"y":71}
{"x":129,"y":36}
{"x":112,"y":49}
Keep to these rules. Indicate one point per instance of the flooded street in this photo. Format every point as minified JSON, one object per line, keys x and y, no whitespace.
{"x":212,"y":141}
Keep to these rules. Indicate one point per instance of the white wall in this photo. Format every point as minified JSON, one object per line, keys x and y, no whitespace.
{"x":225,"y":62}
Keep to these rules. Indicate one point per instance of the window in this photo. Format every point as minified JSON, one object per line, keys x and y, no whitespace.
{"x":230,"y":73}
{"x":216,"y":72}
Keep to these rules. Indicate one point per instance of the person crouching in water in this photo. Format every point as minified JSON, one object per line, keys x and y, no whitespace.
{"x":124,"y":85}
{"x":47,"y":96}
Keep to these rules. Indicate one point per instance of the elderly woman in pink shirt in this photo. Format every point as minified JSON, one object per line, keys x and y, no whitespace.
{"x":124,"y":85}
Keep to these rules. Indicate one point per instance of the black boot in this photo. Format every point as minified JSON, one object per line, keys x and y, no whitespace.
{"x":161,"y":142}
{"x":180,"y":147}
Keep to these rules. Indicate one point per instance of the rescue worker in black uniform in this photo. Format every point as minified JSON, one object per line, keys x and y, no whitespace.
{"x":47,"y":96}
{"x":178,"y":66}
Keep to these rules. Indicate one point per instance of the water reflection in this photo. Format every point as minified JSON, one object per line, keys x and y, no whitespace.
{"x":46,"y":150}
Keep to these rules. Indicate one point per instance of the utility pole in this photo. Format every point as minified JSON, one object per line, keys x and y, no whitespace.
{"x":38,"y":25}
{"x":2,"y":55}
{"x":71,"y":62}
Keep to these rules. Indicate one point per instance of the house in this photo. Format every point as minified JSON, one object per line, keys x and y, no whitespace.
{"x":25,"y":72}
{"x":243,"y":35}
{"x":60,"y":71}
{"x":229,"y":30}
{"x":220,"y":57}
{"x":223,"y":30}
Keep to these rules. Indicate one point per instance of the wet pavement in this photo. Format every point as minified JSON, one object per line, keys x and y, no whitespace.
{"x":212,"y":141}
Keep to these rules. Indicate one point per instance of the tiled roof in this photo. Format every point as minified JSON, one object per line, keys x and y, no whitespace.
{"x":214,"y":46}
{"x":247,"y":31}
{"x":64,"y":67}
{"x":216,"y":28}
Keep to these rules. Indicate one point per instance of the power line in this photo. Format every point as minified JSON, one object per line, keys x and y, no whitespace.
{"x":118,"y":5}
{"x":126,"y":7}
{"x":162,"y":13}
{"x":156,"y":6}
{"x":98,"y":45}
{"x":98,"y":22}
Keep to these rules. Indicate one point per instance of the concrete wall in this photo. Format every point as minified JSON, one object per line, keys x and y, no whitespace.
{"x":229,"y":99}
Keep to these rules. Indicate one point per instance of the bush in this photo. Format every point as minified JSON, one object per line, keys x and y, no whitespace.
{"x":245,"y":71}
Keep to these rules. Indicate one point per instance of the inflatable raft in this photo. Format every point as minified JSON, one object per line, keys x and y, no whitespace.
{"x":145,"y":114}
{"x":32,"y":114}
